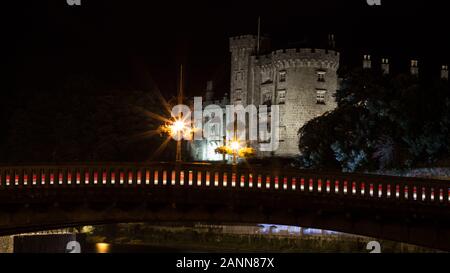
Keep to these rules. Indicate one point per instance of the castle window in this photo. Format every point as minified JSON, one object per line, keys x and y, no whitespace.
{"x":267,"y":99}
{"x":320,"y":96}
{"x":238,"y":95}
{"x":414,"y":63}
{"x":282,"y":76}
{"x":321,"y":76}
{"x":282,"y":97}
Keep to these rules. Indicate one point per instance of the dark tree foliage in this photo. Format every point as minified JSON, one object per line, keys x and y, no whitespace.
{"x":80,"y":125}
{"x":382,"y":121}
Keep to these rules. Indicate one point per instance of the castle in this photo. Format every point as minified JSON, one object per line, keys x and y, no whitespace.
{"x":302,"y":81}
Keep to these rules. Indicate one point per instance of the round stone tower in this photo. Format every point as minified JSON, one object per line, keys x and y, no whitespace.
{"x":303,"y":82}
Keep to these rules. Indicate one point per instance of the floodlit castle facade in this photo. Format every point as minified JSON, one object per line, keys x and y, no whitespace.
{"x":302,"y":81}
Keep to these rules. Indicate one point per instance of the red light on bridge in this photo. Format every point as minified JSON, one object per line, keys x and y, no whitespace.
{"x":173,"y":178}
{"x":25,"y":179}
{"x":319,"y":185}
{"x":69,"y":178}
{"x":267,"y":182}
{"x":216,"y":179}
{"x":182,"y":178}
{"x":87,"y":178}
{"x":208,"y":179}
{"x":43,"y":179}
{"x":191,"y":178}
{"x":336,"y":186}
{"x":276,"y":182}
{"x":294,"y":183}
{"x":104,"y":176}
{"x":78,"y":177}
{"x":242,"y":180}
{"x":8,"y":180}
{"x":139,"y":177}
{"x":302,"y":184}
{"x":130,"y":177}
{"x":156,"y":177}
{"x":250,"y":180}
{"x":285,"y":183}
{"x":121,"y":178}
{"x":147,"y":177}
{"x":259,"y":181}
{"x":60,"y":178}
{"x":225,"y":179}
{"x":199,"y":178}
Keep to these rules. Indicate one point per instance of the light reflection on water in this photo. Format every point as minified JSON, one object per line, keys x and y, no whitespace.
{"x":102,"y":248}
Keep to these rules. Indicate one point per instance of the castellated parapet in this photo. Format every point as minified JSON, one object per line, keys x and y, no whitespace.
{"x":300,"y":57}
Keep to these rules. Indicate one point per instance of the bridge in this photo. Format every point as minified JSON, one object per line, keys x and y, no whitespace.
{"x":410,"y":210}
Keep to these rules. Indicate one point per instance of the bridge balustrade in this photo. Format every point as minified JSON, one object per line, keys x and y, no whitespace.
{"x":225,"y":177}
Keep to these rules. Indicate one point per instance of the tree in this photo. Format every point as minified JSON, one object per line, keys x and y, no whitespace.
{"x":381,"y":121}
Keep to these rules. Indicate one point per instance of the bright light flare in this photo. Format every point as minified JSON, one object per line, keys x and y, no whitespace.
{"x":234,"y":145}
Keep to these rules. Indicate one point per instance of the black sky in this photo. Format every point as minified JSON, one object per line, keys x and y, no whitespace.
{"x":126,"y":44}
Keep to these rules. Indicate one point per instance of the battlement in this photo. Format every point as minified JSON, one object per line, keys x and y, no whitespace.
{"x":243,"y":42}
{"x":301,"y":57}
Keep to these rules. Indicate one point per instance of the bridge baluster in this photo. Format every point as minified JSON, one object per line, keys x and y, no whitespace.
{"x":432,"y":195}
{"x":311,"y":185}
{"x":320,"y":184}
{"x":406,"y":190}
{"x":337,"y":185}
{"x":288,"y":183}
{"x":233,"y":179}
{"x":380,"y":190}
{"x":294,"y":183}
{"x":242,"y":180}
{"x":302,"y":184}
{"x":345,"y":187}
{"x":7,"y":178}
{"x":147,"y":176}
{"x":216,"y":179}
{"x":268,"y":182}
{"x":225,"y":179}
{"x":26,"y":177}
{"x":250,"y":180}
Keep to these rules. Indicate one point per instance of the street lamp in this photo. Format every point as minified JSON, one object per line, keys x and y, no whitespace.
{"x":177,"y":129}
{"x":235,"y":149}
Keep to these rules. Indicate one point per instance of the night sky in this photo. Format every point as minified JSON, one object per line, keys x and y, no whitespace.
{"x":134,"y":44}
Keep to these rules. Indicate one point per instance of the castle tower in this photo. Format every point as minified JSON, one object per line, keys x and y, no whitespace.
{"x":331,"y":41}
{"x":414,"y":67}
{"x":444,"y":72}
{"x":241,"y":49}
{"x":367,"y":62}
{"x":302,"y":81}
{"x":385,"y":65}
{"x":209,"y":93}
